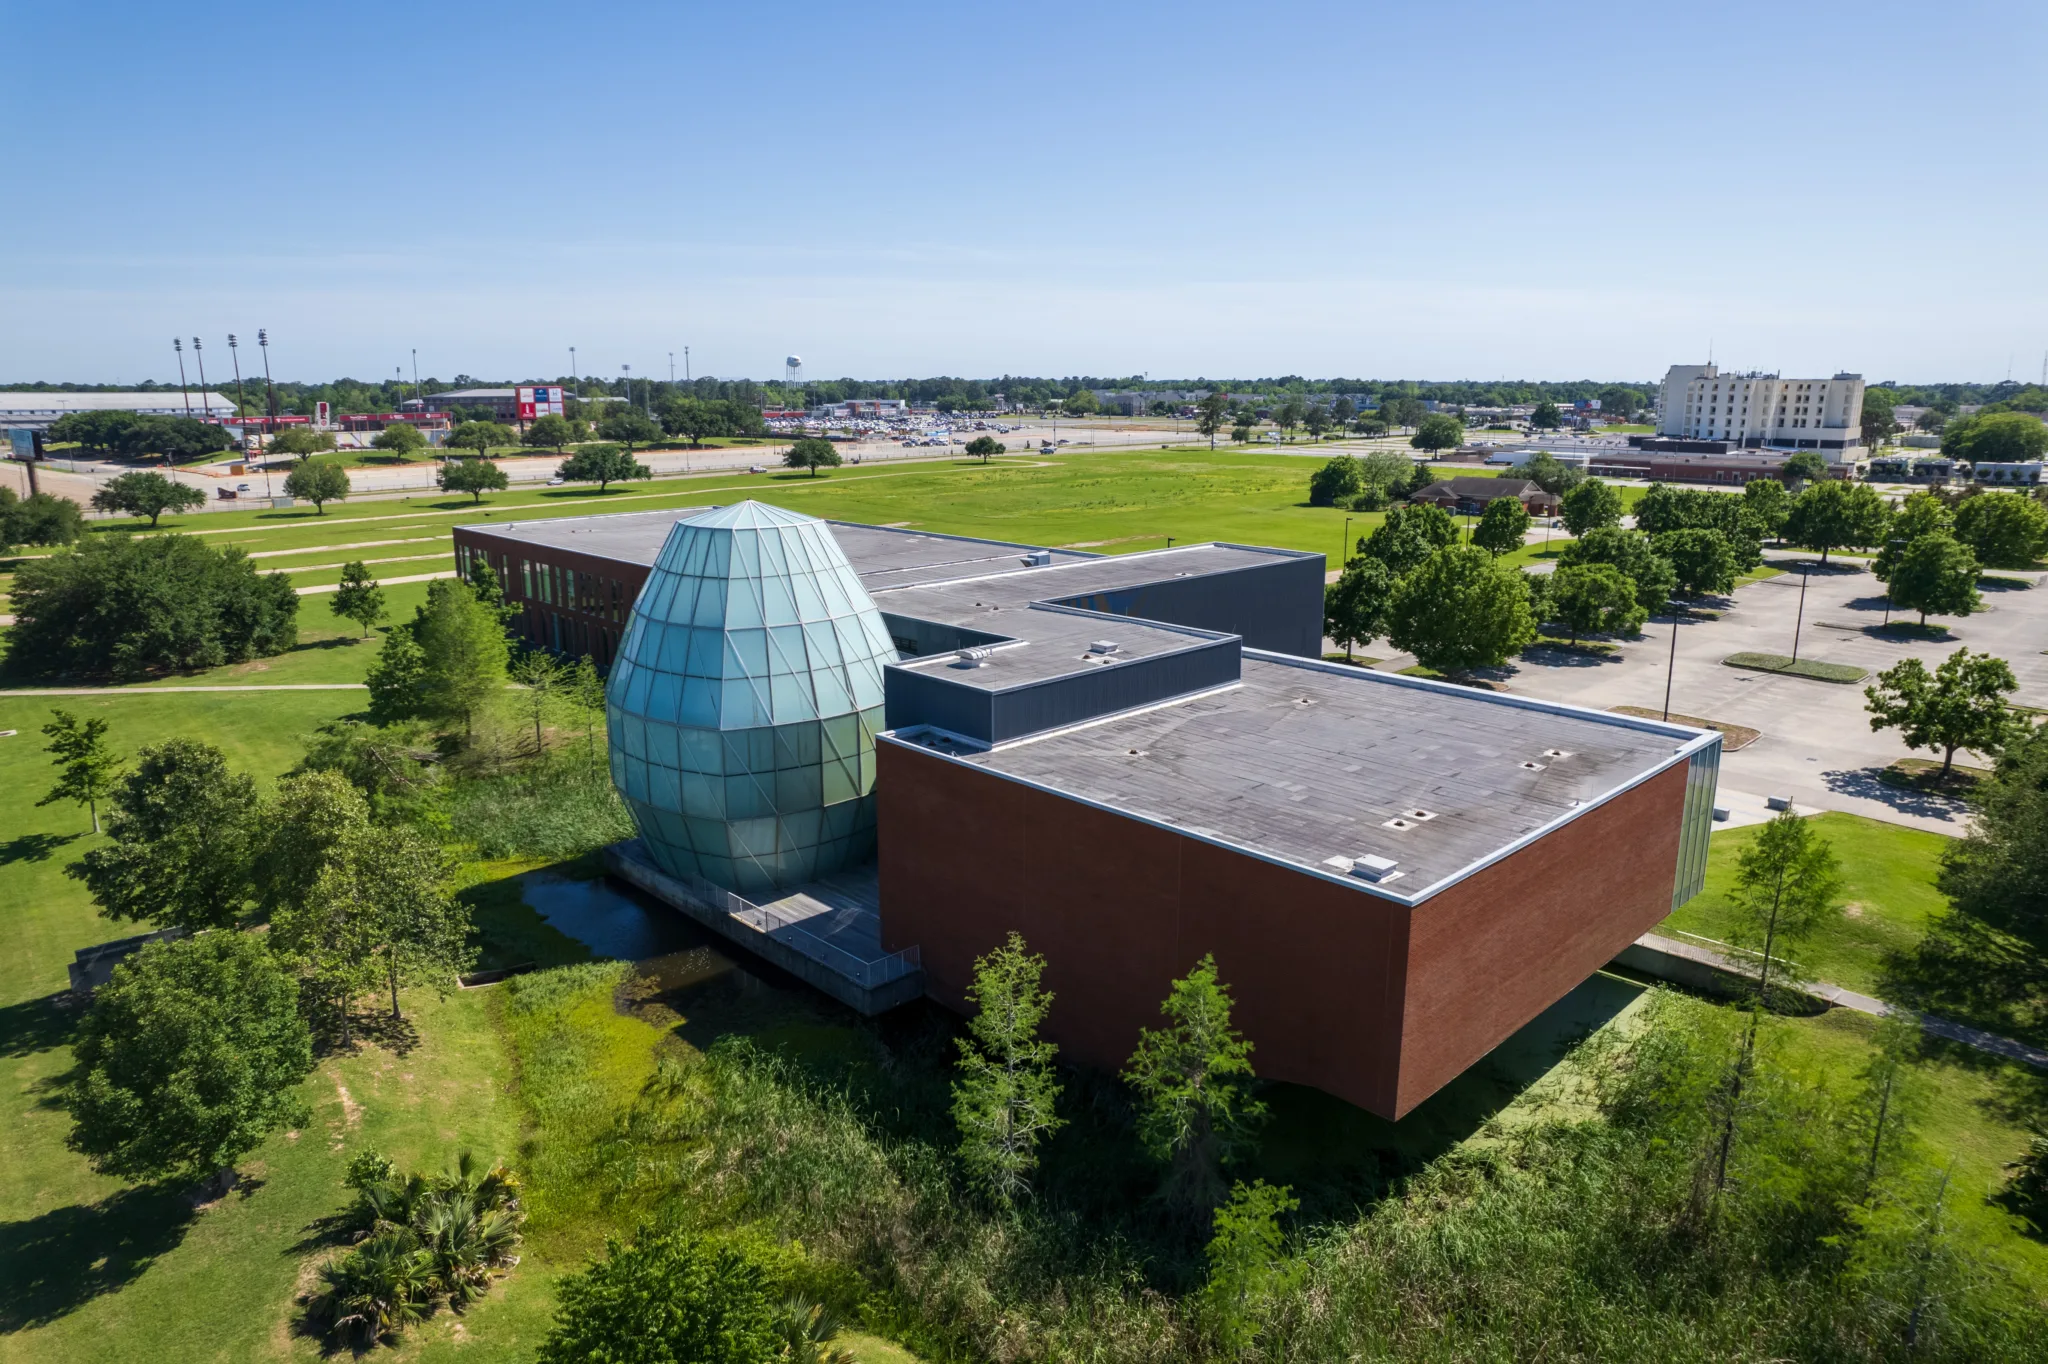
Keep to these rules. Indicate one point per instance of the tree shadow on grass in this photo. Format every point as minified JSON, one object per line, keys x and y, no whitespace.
{"x":1970,"y":973}
{"x":52,"y":1265}
{"x":33,"y":847}
{"x":36,"y":1025}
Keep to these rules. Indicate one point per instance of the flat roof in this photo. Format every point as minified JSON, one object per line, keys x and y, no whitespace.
{"x":1303,"y":762}
{"x":155,"y":400}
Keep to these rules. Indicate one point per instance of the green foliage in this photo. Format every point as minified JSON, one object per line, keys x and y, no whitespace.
{"x":1501,"y":526}
{"x":1935,"y":574}
{"x":2007,"y":530}
{"x":1546,"y":417}
{"x":2028,"y":1187}
{"x":463,"y":654}
{"x":1248,"y":1264}
{"x":1665,"y":508}
{"x":1878,"y":424}
{"x":1005,"y":1091}
{"x":401,"y":438}
{"x":1766,"y":504}
{"x":1460,"y":609}
{"x":1355,"y":606}
{"x":1594,"y":599}
{"x":358,"y":597}
{"x":553,"y":432}
{"x":558,"y":807}
{"x":1548,"y":473}
{"x":318,"y":481}
{"x":39,"y":519}
{"x":181,"y":837}
{"x":1591,"y":505}
{"x":427,"y":1240}
{"x":1409,"y":535}
{"x":1803,"y":466}
{"x":147,"y":494}
{"x":1920,"y":514}
{"x":482,"y":437}
{"x":984,"y":448}
{"x":86,"y":765}
{"x":1081,"y":402}
{"x":1193,"y":1079}
{"x":1438,"y":431}
{"x":1212,"y":415}
{"x":603,"y":465}
{"x":1835,"y":513}
{"x":1997,"y":438}
{"x":812,"y":453}
{"x":1997,"y":875}
{"x":698,"y":418}
{"x":807,"y":1329}
{"x":188,"y":1058}
{"x":1786,"y":885}
{"x":125,"y":607}
{"x":300,"y":441}
{"x":1702,"y":561}
{"x":395,"y":677}
{"x":380,"y":908}
{"x":665,"y":1298}
{"x":327,"y":939}
{"x":137,"y":436}
{"x":1962,"y":705}
{"x":629,"y":427}
{"x":1341,"y":478}
{"x":473,"y":476}
{"x":1631,"y":552}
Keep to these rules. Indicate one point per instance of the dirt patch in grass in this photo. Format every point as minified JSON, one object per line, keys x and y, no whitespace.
{"x":1356,"y":660}
{"x":1733,"y":737}
{"x":1812,"y":669}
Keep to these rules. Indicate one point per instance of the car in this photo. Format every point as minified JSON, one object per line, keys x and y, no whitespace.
{"x":557,"y":481}
{"x":241,"y":487}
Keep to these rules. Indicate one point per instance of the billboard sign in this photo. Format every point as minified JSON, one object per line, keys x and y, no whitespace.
{"x":541,"y":400}
{"x":21,"y":444}
{"x":322,"y":416}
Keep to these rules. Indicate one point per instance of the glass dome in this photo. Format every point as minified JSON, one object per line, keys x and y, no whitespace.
{"x":744,"y":702}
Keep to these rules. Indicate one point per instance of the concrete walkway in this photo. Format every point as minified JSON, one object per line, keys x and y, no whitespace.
{"x":1702,"y":968}
{"x":381,"y":582}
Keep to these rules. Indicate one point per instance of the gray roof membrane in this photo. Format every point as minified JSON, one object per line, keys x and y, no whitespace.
{"x":1305,"y":762}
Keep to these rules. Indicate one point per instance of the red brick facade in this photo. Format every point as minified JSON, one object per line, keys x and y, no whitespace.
{"x":1367,"y":999}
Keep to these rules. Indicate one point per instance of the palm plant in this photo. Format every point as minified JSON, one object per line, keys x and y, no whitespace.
{"x":807,"y":1329}
{"x":378,"y":1289}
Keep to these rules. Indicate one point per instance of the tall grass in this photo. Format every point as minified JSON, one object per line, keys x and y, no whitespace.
{"x":558,"y":805}
{"x":1604,"y":1237}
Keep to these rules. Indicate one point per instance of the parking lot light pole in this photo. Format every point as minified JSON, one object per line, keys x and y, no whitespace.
{"x":1799,"y":619}
{"x":179,"y":346}
{"x":1671,"y":667}
{"x":1344,"y":545}
{"x":269,"y":403}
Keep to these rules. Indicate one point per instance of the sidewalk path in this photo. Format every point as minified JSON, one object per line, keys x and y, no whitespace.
{"x":1686,"y":964}
{"x":381,"y":582}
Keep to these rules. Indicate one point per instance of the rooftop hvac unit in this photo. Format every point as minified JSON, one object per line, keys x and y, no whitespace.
{"x":972,"y":657}
{"x":1104,"y":646}
{"x":1038,"y":558}
{"x":1374,"y":868}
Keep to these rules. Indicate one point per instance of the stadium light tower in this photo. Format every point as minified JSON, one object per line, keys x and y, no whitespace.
{"x":178,"y":345}
{"x":234,"y":353}
{"x":202,"y":379}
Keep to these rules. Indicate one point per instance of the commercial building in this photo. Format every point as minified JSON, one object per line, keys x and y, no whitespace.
{"x":501,"y":403}
{"x":1469,"y":496}
{"x":1693,"y":462}
{"x":1700,"y":403}
{"x":36,"y":411}
{"x":2018,"y":474}
{"x":1132,"y":760}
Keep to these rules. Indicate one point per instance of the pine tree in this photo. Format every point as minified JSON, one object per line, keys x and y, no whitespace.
{"x":1004,"y":1096}
{"x":1194,"y":1079}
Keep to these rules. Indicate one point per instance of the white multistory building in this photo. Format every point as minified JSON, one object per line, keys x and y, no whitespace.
{"x":1699,"y":402}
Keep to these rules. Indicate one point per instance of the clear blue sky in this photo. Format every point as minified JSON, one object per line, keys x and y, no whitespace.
{"x":1442,"y":190}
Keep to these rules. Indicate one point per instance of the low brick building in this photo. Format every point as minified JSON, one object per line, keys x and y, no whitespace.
{"x":1469,"y":496}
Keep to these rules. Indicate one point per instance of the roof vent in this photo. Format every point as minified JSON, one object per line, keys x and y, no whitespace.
{"x":1104,"y":646}
{"x":1533,"y":767}
{"x":1374,"y":868}
{"x":973,"y":657}
{"x":1038,"y":558}
{"x":1556,"y":753}
{"x":1419,"y":816}
{"x":1397,"y":823}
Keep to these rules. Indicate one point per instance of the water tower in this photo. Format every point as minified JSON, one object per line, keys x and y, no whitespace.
{"x":793,"y":370}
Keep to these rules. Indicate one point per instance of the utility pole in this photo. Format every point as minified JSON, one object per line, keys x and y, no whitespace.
{"x":671,"y":369}
{"x":686,"y":364}
{"x":416,"y":380}
{"x":179,"y":346}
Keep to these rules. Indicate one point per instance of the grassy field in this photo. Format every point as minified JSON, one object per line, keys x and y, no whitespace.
{"x":1888,"y":895}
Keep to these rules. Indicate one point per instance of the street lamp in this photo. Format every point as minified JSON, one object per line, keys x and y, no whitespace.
{"x":1671,"y":668}
{"x":1344,"y":545}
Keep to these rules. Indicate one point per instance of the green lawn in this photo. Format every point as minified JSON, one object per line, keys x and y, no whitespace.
{"x":1888,"y":894}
